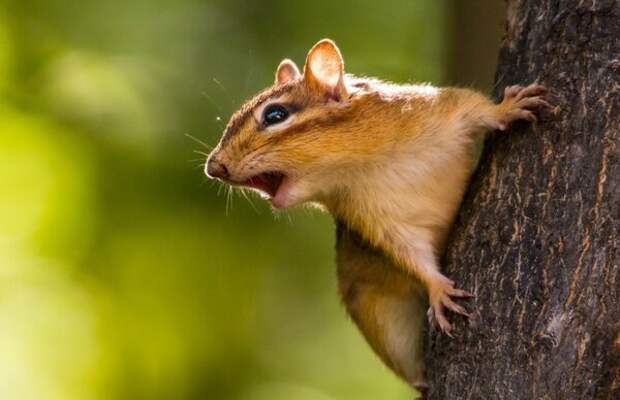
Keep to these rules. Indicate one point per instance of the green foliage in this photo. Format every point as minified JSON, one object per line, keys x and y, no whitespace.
{"x":123,"y":273}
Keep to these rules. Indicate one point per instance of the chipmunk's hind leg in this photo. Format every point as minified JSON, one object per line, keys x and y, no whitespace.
{"x":393,"y":326}
{"x":387,"y":305}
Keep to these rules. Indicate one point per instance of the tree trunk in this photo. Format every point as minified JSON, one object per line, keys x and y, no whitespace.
{"x":537,"y":237}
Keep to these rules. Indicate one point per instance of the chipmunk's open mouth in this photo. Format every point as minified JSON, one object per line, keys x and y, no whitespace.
{"x":267,"y":182}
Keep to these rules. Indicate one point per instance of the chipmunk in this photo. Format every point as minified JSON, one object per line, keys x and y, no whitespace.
{"x":390,"y":163}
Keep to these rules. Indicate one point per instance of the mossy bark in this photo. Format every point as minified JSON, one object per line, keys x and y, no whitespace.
{"x":537,"y":239}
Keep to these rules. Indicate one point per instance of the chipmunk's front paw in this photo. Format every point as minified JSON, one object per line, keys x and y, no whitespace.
{"x":521,"y":103}
{"x":440,"y":296}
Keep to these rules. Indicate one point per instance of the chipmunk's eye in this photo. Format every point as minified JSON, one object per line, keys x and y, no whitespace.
{"x":274,"y":114}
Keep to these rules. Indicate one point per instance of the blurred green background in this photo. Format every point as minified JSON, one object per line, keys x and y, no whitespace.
{"x":124,"y":273}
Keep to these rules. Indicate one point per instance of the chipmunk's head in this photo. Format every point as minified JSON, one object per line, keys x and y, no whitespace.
{"x":289,"y":139}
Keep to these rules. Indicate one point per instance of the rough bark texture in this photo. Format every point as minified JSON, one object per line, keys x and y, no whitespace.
{"x":537,"y":237}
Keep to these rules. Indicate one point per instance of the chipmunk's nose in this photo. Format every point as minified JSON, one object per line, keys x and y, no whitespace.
{"x":216,"y":169}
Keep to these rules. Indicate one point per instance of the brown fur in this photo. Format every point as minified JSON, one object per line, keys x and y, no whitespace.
{"x":392,"y":163}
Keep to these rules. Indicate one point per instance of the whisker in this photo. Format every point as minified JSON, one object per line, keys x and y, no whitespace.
{"x":212,"y":182}
{"x":229,"y":200}
{"x":218,"y":118}
{"x":206,"y":96}
{"x":208,"y":147}
{"x":244,"y":194}
{"x":232,"y":103}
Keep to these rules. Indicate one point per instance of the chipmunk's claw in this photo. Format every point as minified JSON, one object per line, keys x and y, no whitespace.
{"x":521,"y":103}
{"x":441,"y":298}
{"x":436,"y":318}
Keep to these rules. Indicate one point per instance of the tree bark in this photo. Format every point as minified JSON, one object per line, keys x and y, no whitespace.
{"x":537,"y":236}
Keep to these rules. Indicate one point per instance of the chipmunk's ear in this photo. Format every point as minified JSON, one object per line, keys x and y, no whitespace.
{"x":324,"y":70}
{"x":287,"y":71}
